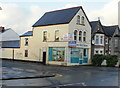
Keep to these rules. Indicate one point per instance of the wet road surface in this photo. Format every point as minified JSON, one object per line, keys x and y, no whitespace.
{"x":65,"y":76}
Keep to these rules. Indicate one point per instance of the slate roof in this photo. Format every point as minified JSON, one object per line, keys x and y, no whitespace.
{"x":57,"y":17}
{"x":29,"y":33}
{"x":11,"y":44}
{"x":93,"y":25}
{"x":109,"y":30}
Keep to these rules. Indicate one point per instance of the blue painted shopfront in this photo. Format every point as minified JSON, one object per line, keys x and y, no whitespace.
{"x":79,"y":55}
{"x":56,"y":54}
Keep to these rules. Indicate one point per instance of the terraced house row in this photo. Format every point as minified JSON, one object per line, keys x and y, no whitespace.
{"x":63,"y":37}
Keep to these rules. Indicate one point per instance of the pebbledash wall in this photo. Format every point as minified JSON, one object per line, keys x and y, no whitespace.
{"x":65,"y":51}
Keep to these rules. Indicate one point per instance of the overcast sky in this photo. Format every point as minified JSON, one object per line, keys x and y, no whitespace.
{"x":21,"y":15}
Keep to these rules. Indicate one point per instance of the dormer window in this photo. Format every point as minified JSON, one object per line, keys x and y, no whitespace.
{"x":82,"y":20}
{"x":78,"y":19}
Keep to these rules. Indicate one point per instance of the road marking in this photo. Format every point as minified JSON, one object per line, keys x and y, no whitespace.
{"x":71,"y":84}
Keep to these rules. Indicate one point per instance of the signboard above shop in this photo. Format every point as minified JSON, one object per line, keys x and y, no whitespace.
{"x":73,"y":44}
{"x":81,"y":45}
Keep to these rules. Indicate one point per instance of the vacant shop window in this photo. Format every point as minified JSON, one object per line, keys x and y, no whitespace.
{"x":57,"y":35}
{"x":84,"y":36}
{"x":26,"y":41}
{"x":75,"y":35}
{"x":80,"y":35}
{"x":26,"y":53}
{"x":44,"y":36}
{"x":82,"y":20}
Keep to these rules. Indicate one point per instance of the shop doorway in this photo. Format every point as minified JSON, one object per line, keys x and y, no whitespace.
{"x":44,"y":57}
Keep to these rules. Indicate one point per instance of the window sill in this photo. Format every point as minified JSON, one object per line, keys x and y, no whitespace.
{"x":80,"y":24}
{"x":44,"y":40}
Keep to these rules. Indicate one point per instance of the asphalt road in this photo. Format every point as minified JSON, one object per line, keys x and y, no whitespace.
{"x":65,"y":76}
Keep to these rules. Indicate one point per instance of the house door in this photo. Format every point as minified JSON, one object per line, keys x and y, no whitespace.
{"x":44,"y":57}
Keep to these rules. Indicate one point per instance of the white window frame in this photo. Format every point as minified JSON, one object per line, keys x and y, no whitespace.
{"x":80,"y":36}
{"x":99,"y":39}
{"x":84,"y":36}
{"x":57,"y":35}
{"x":76,"y":35}
{"x":43,"y":35}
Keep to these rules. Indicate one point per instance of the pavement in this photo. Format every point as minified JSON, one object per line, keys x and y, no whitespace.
{"x":36,"y":74}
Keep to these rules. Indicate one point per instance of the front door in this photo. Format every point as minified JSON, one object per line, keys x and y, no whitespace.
{"x":44,"y":57}
{"x":80,"y":56}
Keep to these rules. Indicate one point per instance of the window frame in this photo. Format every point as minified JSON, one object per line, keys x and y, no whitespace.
{"x":44,"y":36}
{"x":84,"y":36}
{"x":26,"y":41}
{"x":80,"y":36}
{"x":97,"y":39}
{"x":101,"y":39}
{"x":78,"y":19}
{"x":26,"y":53}
{"x":57,"y":37}
{"x":75,"y":35}
{"x":82,"y":20}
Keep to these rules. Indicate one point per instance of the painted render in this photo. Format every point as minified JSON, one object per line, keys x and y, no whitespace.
{"x":36,"y":46}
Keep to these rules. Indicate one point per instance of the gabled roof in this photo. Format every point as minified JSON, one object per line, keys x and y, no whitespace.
{"x":11,"y":44}
{"x":9,"y":35}
{"x":94,"y":25}
{"x":57,"y":17}
{"x":109,"y":30}
{"x":29,"y":33}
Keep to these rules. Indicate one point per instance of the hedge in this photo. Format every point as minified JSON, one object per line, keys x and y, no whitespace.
{"x":111,"y":60}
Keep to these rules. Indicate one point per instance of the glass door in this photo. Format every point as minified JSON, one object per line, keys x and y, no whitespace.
{"x":80,"y":56}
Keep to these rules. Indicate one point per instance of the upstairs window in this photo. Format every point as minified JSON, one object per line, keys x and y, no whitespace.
{"x":26,"y":41}
{"x":84,"y":36}
{"x":75,"y":35}
{"x":116,"y":43}
{"x":57,"y":35}
{"x":97,"y":39}
{"x":80,"y":35}
{"x":78,"y":19}
{"x":26,"y":53}
{"x":82,"y":20}
{"x":44,"y":36}
{"x":101,"y":39}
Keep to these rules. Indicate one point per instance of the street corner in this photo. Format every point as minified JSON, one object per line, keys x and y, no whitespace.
{"x":18,"y":73}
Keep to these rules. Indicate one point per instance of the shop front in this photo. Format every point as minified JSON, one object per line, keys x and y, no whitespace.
{"x":56,"y":54}
{"x":79,"y":55}
{"x":73,"y":54}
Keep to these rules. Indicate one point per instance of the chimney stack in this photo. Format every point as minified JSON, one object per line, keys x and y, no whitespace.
{"x":2,"y":29}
